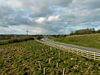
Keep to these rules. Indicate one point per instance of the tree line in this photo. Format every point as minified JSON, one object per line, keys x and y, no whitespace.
{"x":85,"y":31}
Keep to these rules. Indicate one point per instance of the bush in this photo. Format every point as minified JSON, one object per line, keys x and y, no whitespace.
{"x":19,"y":40}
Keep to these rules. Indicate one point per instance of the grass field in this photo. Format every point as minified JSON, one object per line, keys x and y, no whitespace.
{"x":89,"y":40}
{"x":33,"y":58}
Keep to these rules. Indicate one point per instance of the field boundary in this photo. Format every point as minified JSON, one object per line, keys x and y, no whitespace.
{"x":82,"y":52}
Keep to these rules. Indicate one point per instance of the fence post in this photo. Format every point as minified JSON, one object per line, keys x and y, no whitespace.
{"x":57,"y":65}
{"x":63,"y":71}
{"x":87,"y":54}
{"x":77,"y":51}
{"x":44,"y":70}
{"x":39,"y":65}
{"x":94,"y":55}
{"x":49,"y":60}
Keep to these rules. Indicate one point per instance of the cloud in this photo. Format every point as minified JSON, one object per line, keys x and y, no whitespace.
{"x":87,"y":4}
{"x":53,"y":18}
{"x":48,"y":16}
{"x":40,"y":20}
{"x":62,"y":2}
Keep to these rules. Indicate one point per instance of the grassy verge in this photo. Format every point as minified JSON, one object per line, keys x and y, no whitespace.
{"x":91,"y":40}
{"x":33,"y":58}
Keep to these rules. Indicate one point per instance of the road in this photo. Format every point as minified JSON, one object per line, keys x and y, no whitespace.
{"x":68,"y":45}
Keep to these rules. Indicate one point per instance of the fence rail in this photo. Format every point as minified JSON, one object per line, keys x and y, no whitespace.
{"x":91,"y":54}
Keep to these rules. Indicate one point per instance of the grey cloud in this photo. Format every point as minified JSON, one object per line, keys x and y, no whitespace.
{"x":92,"y":4}
{"x":86,"y":4}
{"x":76,"y":14}
{"x":62,"y":2}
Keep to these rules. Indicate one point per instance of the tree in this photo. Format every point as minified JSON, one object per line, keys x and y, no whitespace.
{"x":98,"y":31}
{"x":83,"y":31}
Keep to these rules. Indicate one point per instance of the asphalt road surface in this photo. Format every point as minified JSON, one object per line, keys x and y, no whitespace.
{"x":68,"y":45}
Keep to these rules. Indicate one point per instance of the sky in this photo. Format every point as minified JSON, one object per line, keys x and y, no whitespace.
{"x":48,"y":16}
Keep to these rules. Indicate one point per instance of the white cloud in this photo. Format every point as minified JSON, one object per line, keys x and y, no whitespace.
{"x":40,"y":20}
{"x":11,"y":3}
{"x":53,"y":18}
{"x":14,"y":3}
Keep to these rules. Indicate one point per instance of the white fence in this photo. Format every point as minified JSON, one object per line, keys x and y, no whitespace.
{"x":82,"y":52}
